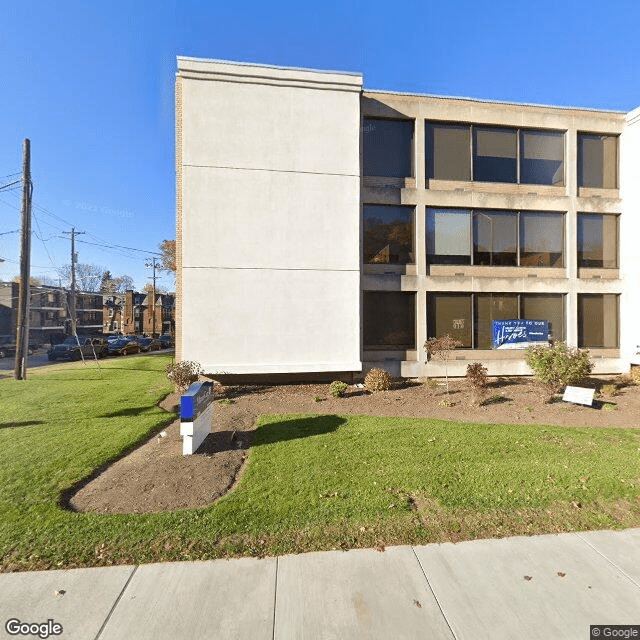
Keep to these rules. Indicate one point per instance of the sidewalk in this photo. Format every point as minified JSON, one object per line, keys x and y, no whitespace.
{"x":549,"y":587}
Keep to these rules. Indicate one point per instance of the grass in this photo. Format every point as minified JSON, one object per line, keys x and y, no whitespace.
{"x":312,"y":482}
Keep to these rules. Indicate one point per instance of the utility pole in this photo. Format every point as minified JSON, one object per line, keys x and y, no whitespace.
{"x":22,"y":328}
{"x":72,"y":305}
{"x":151,"y":263}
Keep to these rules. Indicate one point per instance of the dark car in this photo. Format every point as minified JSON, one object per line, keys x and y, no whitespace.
{"x":149,"y":344}
{"x":75,"y":348}
{"x":122,"y":346}
{"x":166,"y":341}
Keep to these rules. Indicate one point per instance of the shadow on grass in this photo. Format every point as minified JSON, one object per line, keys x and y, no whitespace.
{"x":294,"y":428}
{"x":24,"y":423}
{"x":131,"y":411}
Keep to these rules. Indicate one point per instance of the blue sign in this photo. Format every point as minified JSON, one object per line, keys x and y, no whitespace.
{"x":519,"y":334}
{"x":195,"y":400}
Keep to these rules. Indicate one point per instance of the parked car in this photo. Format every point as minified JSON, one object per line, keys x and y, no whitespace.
{"x":166,"y":341}
{"x":123,"y":345}
{"x":74,"y":348}
{"x":8,"y":347}
{"x":149,"y":344}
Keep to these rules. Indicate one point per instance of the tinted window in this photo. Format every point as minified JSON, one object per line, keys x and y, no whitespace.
{"x":598,"y":320}
{"x":541,"y":157}
{"x":388,"y":234}
{"x":448,"y":236}
{"x":387,"y":147}
{"x":389,"y":320}
{"x":598,"y":241}
{"x":494,"y":155}
{"x":597,"y":161}
{"x":495,"y":238}
{"x":450,"y":313}
{"x":541,"y":239}
{"x":448,"y":151}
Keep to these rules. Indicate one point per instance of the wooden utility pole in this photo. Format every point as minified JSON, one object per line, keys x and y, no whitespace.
{"x":152,"y":263}
{"x":72,"y":305}
{"x":22,"y":328}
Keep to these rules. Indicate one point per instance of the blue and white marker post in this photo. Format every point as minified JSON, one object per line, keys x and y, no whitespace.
{"x":196,"y":407}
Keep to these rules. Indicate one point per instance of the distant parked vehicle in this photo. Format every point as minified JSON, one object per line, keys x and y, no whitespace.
{"x":166,"y":341}
{"x":149,"y":344}
{"x":74,"y":348}
{"x":123,"y":346}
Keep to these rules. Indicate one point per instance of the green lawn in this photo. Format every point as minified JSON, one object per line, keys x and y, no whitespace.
{"x":312,"y":482}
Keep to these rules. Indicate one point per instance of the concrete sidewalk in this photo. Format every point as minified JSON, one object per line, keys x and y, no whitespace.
{"x":548,"y":587}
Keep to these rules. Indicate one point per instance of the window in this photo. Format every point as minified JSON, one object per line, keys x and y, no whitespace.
{"x":597,"y":161}
{"x":450,"y":313}
{"x":449,"y":236}
{"x":541,"y":239}
{"x":448,"y":151}
{"x":387,"y":147}
{"x":494,"y":154}
{"x":499,"y":238}
{"x":597,"y":240}
{"x":542,"y":157}
{"x":490,"y":307}
{"x":598,"y":320}
{"x":495,"y":238}
{"x":389,"y":320}
{"x":469,"y":317}
{"x":388,"y":234}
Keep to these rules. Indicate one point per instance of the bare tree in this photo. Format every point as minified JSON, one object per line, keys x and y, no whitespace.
{"x":442,"y":348}
{"x":88,"y":276}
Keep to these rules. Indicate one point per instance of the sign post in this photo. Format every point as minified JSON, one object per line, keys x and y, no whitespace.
{"x":196,"y":407}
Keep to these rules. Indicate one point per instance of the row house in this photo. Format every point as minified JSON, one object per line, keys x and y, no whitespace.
{"x":138,"y":313}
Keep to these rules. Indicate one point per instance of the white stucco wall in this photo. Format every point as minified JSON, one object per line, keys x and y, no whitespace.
{"x":629,"y":239}
{"x":270,"y":218}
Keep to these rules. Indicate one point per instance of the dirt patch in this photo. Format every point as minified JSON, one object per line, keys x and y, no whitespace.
{"x":157,"y":477}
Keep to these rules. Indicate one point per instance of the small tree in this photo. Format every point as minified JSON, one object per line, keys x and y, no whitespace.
{"x":558,"y":365}
{"x":442,"y":348}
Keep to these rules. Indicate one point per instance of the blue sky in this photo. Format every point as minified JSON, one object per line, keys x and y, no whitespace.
{"x":91,"y":84}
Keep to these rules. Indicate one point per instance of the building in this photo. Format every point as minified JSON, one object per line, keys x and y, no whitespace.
{"x":133,"y":313}
{"x":335,"y":228}
{"x":49,"y":312}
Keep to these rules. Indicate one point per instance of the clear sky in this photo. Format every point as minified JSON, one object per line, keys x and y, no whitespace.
{"x":91,"y":84}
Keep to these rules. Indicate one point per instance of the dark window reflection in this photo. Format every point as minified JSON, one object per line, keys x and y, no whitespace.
{"x":388,"y":234}
{"x":387,"y":147}
{"x":494,"y":155}
{"x":389,"y":320}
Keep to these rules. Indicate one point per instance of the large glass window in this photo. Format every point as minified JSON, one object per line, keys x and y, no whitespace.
{"x":389,"y":320}
{"x":494,"y":155}
{"x":598,"y":320}
{"x":490,"y":307}
{"x":448,"y":151}
{"x":388,"y":234}
{"x":449,"y":236}
{"x":545,"y":306}
{"x":541,"y":239}
{"x":387,"y":147}
{"x":450,"y":313}
{"x":541,"y":157}
{"x":500,"y":154}
{"x":495,"y":238}
{"x":469,"y":317}
{"x":597,"y":161}
{"x":597,"y":240}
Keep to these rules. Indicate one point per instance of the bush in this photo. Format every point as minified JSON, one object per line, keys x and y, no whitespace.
{"x":338,"y":388}
{"x":558,"y":365}
{"x":477,"y":380}
{"x":182,"y":374}
{"x":377,"y":380}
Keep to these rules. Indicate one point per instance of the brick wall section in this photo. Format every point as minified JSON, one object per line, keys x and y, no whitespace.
{"x":178,"y":309}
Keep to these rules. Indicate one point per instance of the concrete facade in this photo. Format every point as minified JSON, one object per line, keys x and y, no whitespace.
{"x":268,"y":243}
{"x":271,"y":186}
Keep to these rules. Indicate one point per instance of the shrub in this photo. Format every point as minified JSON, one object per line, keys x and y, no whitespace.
{"x":477,"y":380}
{"x":182,"y":374}
{"x":609,"y":389}
{"x":442,"y":348}
{"x":377,"y":380}
{"x":337,"y":388}
{"x":558,"y":365}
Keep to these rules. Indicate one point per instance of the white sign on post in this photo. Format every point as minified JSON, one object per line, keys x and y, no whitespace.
{"x":579,"y":395}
